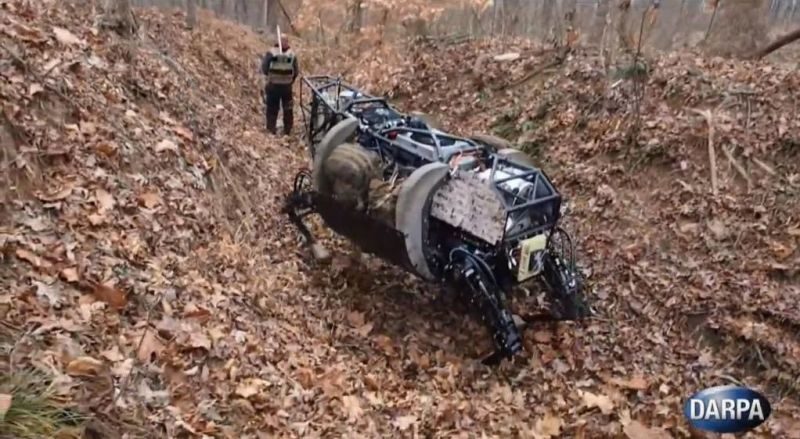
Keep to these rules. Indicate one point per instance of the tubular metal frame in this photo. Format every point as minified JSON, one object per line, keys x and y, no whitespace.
{"x":321,"y":83}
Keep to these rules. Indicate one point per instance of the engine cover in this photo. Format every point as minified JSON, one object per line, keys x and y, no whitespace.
{"x":467,"y":202}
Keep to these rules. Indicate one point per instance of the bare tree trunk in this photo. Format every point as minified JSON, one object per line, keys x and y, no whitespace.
{"x":623,"y":19}
{"x":570,"y":7}
{"x":356,"y":17}
{"x":495,"y":9}
{"x":241,"y":12}
{"x":744,"y":30}
{"x":546,"y":20}
{"x":599,"y":21}
{"x":265,"y":14}
{"x":681,"y":26}
{"x":778,"y":43}
{"x":711,"y":21}
{"x":119,"y":16}
{"x":512,"y":9}
{"x":191,"y":13}
{"x":475,"y":22}
{"x":502,"y":17}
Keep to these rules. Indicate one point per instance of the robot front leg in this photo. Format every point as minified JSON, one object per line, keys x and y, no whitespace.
{"x":563,"y":281}
{"x":483,"y":293}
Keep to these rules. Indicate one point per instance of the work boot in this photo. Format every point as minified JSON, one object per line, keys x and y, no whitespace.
{"x":288,"y":121}
{"x":271,"y":124}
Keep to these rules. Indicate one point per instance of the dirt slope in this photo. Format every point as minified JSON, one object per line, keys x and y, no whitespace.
{"x":142,"y":166}
{"x":146,"y":266}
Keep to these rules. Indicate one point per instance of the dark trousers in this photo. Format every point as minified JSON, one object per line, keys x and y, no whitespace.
{"x":279,"y":97}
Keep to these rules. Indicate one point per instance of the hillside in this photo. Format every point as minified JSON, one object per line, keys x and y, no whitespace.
{"x":707,"y":278}
{"x":148,"y":274}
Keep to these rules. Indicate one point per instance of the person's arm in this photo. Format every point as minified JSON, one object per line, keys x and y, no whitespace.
{"x":266,"y":62}
{"x":296,"y":68}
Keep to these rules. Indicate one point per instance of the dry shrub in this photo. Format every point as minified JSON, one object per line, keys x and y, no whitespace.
{"x":31,"y":407}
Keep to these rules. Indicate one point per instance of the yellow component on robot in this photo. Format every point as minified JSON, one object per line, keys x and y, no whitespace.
{"x":529,"y":249}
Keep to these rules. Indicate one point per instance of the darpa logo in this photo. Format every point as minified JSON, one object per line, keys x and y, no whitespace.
{"x":727,"y":409}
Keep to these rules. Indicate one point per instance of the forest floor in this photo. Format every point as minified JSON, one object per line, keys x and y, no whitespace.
{"x":150,"y":281}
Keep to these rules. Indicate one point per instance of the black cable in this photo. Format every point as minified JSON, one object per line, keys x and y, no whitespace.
{"x":478,"y":260}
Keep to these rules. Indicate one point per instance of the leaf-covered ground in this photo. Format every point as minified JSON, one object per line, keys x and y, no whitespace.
{"x":146,"y":265}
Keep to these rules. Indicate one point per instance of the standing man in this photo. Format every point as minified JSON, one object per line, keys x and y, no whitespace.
{"x":280,"y":67}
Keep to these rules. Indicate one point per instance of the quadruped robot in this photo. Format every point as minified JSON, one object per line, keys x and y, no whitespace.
{"x":473,"y":214}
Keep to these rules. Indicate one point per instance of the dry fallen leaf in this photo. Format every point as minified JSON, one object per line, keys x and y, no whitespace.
{"x":50,"y":292}
{"x":85,"y":366}
{"x":355,"y":318}
{"x":37,"y":224}
{"x":113,"y":355}
{"x":547,"y":427}
{"x":5,"y":404}
{"x":404,"y":422}
{"x":199,"y":340}
{"x":57,"y":195}
{"x":69,"y":275}
{"x":166,"y":145}
{"x":151,"y":396}
{"x":782,"y":251}
{"x":365,"y":329}
{"x":249,"y":387}
{"x":718,"y":229}
{"x":385,"y":344}
{"x":33,"y":259}
{"x":637,"y":430}
{"x":65,"y":37}
{"x":602,"y":402}
{"x":305,"y":377}
{"x":150,"y":348}
{"x":113,"y":296}
{"x":150,"y":199}
{"x":332,"y":382}
{"x":34,"y":88}
{"x":105,"y":200}
{"x":352,"y":407}
{"x":107,"y":149}
{"x":636,"y":382}
{"x":183,"y":132}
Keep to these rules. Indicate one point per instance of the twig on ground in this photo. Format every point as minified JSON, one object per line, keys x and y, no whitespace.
{"x":761,"y":359}
{"x":768,"y":169}
{"x":738,"y":167}
{"x":532,"y":74}
{"x":712,"y":159}
{"x":124,"y":386}
{"x":730,"y":379}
